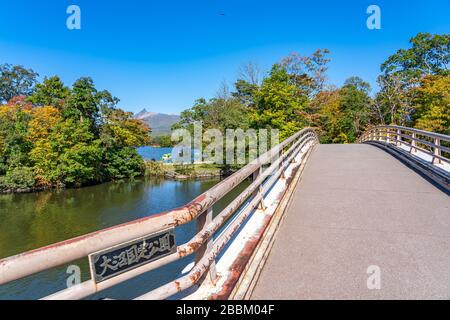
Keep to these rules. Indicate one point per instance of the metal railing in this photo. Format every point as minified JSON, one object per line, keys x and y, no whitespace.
{"x":434,"y":145}
{"x":265,"y":170}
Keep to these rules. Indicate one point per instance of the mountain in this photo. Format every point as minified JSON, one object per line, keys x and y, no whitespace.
{"x":160,"y":123}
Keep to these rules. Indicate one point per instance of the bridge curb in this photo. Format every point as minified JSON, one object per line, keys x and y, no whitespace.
{"x":250,"y":276}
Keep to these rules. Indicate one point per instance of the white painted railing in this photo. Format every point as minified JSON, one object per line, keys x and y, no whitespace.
{"x":429,"y":146}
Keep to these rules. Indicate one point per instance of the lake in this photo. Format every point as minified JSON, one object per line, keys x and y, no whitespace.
{"x":156,"y":153}
{"x":153,"y":153}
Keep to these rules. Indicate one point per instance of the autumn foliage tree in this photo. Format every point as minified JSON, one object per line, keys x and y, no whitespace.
{"x":431,"y":102}
{"x":58,"y":136}
{"x":414,"y":84}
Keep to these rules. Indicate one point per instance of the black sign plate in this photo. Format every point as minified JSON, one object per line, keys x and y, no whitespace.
{"x":124,"y":257}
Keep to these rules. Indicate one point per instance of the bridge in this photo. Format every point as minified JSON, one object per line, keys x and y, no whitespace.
{"x":358,"y":221}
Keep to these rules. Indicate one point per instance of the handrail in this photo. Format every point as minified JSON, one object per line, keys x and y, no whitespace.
{"x":411,"y":138}
{"x":200,"y":209}
{"x":422,"y":132}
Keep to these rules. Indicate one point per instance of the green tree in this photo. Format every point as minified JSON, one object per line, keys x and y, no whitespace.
{"x":218,"y":113}
{"x":343,"y":113}
{"x":280,"y":104}
{"x":403,"y":73}
{"x":428,"y":55}
{"x":18,"y":178}
{"x":331,"y":116}
{"x":245,"y":92}
{"x":122,"y":163}
{"x":356,"y":103}
{"x":15,"y":81}
{"x":51,"y":92}
{"x":122,"y":130}
{"x":163,"y":141}
{"x":14,"y":145}
{"x":83,"y":102}
{"x":69,"y":156}
{"x":121,"y":134}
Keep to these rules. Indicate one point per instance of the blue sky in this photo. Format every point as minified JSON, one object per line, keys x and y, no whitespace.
{"x":163,"y":55}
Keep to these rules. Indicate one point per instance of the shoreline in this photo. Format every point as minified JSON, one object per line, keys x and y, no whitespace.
{"x":212,"y":172}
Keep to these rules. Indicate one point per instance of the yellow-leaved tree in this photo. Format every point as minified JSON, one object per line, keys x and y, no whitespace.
{"x":432,"y":104}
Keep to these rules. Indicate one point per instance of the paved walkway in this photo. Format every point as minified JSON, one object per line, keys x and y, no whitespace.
{"x":357,"y":206}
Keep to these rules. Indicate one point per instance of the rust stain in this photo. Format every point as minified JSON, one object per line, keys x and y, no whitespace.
{"x":195,"y":245}
{"x":241,"y":262}
{"x":195,"y":276}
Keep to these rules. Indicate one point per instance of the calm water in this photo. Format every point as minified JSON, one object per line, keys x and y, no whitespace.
{"x":29,"y":221}
{"x":156,"y":154}
{"x":153,"y":153}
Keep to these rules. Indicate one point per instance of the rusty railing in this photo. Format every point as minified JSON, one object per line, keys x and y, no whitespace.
{"x":265,"y":170}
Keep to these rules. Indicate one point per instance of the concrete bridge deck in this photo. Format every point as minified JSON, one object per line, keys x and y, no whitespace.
{"x":357,"y":206}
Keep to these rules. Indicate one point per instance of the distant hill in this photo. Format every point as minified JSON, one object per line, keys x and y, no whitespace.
{"x":160,"y":123}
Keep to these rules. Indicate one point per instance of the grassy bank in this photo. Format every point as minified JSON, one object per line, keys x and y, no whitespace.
{"x":185,"y":171}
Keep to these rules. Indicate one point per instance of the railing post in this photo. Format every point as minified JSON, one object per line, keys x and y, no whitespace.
{"x":413,"y":143}
{"x":293,"y":159}
{"x":204,"y":219}
{"x":256,"y":174}
{"x":399,"y":138}
{"x":437,"y":151}
{"x":280,"y":166}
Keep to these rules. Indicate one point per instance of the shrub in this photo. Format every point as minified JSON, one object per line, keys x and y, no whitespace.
{"x":18,"y":178}
{"x":153,"y":168}
{"x":123,"y":163}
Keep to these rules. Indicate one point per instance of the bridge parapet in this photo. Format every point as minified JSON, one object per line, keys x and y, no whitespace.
{"x":149,"y":243}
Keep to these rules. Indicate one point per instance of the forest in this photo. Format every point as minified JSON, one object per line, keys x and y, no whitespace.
{"x":55,"y":136}
{"x":52,"y":135}
{"x":414,"y":86}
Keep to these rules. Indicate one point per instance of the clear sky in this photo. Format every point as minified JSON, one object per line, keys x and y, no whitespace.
{"x":164,"y":54}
